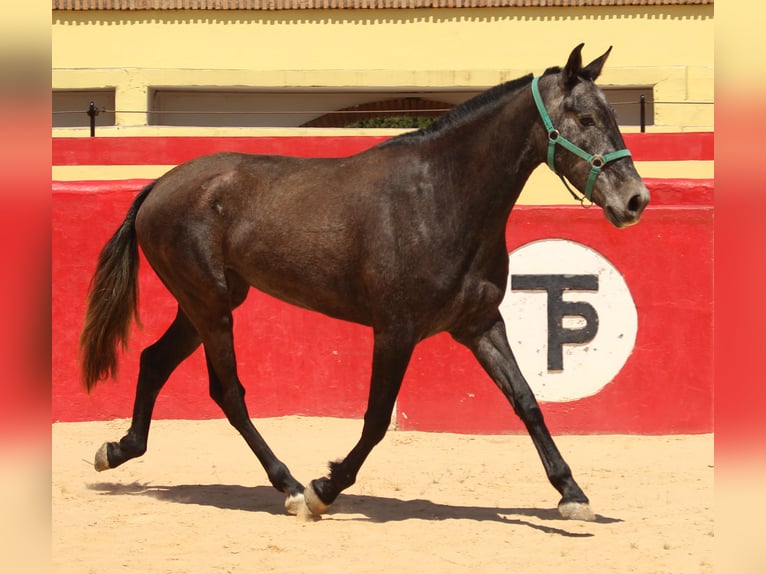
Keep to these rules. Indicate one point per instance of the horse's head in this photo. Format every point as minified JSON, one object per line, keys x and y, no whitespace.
{"x":583,"y":142}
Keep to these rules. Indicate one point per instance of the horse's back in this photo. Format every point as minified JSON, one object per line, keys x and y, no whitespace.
{"x":351,"y":237}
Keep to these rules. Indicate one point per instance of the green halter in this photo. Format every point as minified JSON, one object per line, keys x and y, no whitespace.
{"x":554,"y":137}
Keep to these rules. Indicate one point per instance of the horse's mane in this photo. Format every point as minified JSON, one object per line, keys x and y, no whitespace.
{"x":469,"y":109}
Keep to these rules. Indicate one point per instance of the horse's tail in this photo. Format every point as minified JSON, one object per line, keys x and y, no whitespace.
{"x":112,"y":300}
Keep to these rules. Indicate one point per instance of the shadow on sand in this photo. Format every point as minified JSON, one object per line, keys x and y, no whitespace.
{"x":360,"y":507}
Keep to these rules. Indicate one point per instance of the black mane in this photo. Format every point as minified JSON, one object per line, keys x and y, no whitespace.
{"x":469,"y":108}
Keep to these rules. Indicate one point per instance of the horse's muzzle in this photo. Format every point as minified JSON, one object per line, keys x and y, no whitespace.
{"x":626,"y":213}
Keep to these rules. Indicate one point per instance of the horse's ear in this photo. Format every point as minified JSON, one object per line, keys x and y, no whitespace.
{"x":573,"y":67}
{"x":593,"y":70}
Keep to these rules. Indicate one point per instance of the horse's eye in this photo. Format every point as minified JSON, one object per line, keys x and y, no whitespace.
{"x":587,"y":121}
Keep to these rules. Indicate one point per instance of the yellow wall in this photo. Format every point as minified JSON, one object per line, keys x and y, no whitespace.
{"x":670,"y":48}
{"x":439,"y":39}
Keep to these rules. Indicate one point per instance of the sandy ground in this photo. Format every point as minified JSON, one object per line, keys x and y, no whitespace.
{"x":199,"y":502}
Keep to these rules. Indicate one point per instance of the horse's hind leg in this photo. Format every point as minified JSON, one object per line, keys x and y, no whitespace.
{"x":157,"y":363}
{"x":494,"y":353}
{"x":215,"y":326}
{"x":391,"y":355}
{"x":231,"y":400}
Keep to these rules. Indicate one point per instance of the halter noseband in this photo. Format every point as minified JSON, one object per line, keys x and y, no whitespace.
{"x":554,"y":137}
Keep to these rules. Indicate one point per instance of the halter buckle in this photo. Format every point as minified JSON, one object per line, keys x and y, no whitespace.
{"x":597,"y":161}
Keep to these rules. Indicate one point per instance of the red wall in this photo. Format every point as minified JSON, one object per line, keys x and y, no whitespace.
{"x":297,"y":362}
{"x":174,"y":150}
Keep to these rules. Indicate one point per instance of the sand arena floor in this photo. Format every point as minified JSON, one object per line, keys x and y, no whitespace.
{"x":199,"y":502}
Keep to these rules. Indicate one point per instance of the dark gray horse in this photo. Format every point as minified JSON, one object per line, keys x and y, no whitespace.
{"x":407,"y":237}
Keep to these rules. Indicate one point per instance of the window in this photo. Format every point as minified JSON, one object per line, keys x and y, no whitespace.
{"x":70,"y":107}
{"x":277,"y":108}
{"x":627,"y":104}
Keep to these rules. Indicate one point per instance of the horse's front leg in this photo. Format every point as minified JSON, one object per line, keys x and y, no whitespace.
{"x":391,"y":355}
{"x":491,"y":348}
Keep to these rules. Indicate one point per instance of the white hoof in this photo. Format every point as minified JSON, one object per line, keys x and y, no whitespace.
{"x":577,"y":511}
{"x":296,"y":505}
{"x":102,"y":461}
{"x":313,"y":502}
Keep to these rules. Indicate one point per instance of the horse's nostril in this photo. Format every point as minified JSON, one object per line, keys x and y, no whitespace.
{"x":635,"y":203}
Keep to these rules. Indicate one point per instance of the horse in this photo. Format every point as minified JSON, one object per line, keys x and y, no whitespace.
{"x":408,"y":238}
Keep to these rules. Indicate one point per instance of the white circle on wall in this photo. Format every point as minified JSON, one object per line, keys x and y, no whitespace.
{"x":570,"y":318}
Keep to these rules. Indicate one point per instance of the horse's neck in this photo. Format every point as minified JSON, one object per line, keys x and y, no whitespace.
{"x":498,"y":156}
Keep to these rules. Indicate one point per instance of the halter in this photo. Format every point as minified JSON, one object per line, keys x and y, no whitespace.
{"x":554,"y":137}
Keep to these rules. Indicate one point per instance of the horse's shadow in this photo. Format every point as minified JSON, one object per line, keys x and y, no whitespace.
{"x":358,"y":506}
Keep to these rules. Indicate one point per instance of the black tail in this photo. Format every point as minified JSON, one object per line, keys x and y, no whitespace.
{"x":112,"y":300}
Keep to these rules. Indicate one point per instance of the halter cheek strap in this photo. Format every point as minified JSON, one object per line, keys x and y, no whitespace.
{"x":555,"y":138}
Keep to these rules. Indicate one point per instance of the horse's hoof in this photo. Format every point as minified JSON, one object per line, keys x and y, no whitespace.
{"x":576,"y":511}
{"x":313,"y":502}
{"x":102,"y":461}
{"x":296,"y":504}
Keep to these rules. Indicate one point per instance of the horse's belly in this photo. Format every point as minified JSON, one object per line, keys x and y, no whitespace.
{"x":310,"y":289}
